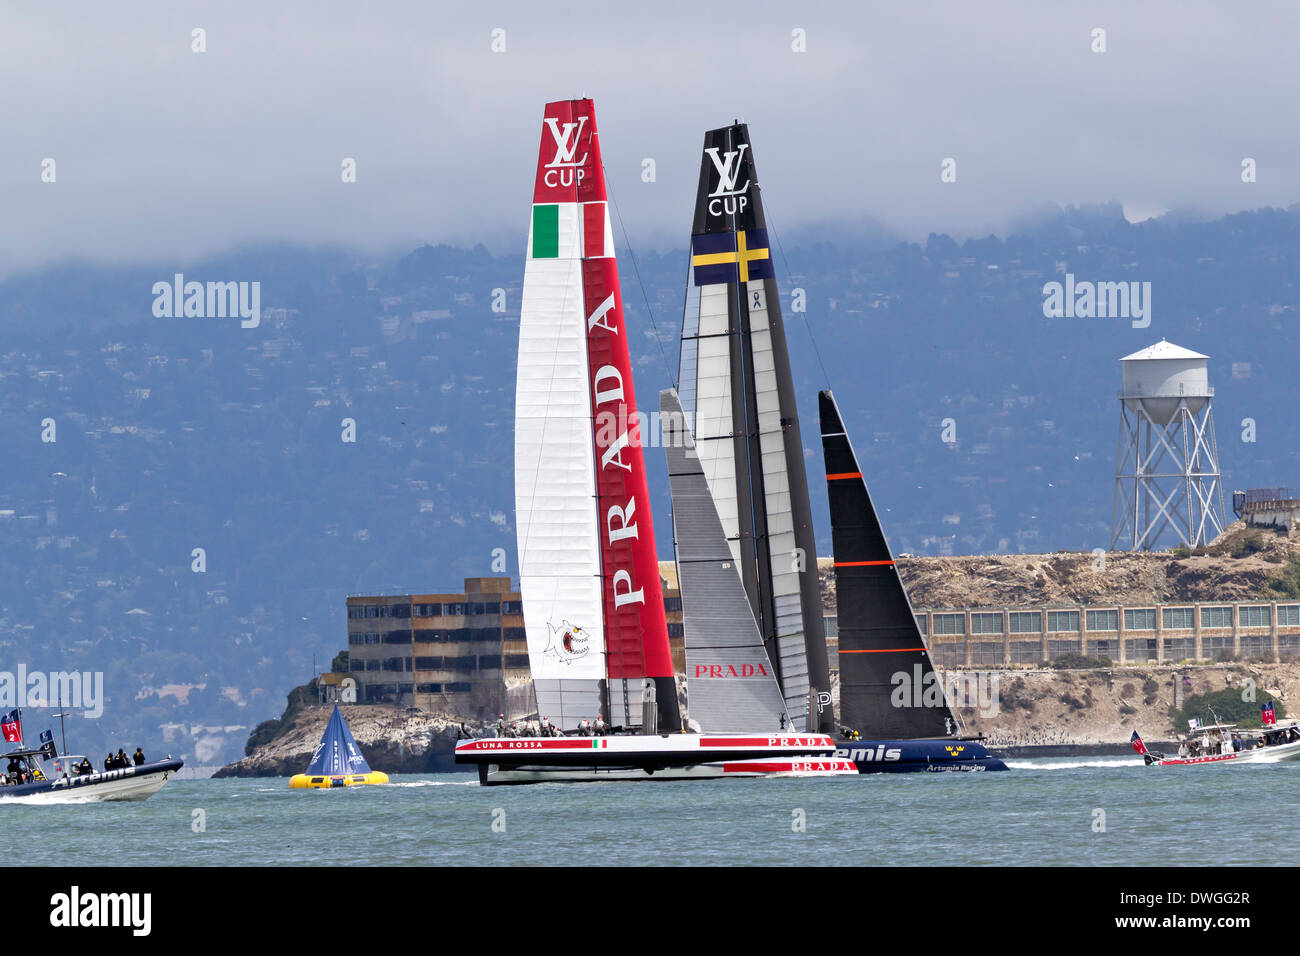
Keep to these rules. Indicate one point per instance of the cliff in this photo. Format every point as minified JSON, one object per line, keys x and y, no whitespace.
{"x":1235,"y":567}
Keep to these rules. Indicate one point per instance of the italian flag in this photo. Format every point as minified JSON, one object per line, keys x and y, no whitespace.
{"x":570,"y":230}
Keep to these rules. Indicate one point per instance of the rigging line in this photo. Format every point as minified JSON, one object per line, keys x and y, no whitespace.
{"x":609,"y":188}
{"x":789,"y":276}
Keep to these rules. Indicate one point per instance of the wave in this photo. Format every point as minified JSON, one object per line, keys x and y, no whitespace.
{"x":1058,"y":763}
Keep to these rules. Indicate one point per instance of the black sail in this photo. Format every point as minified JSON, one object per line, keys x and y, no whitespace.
{"x":888,"y":685}
{"x":736,"y":387}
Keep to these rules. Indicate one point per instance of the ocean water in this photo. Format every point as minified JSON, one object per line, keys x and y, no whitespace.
{"x":1046,"y":811}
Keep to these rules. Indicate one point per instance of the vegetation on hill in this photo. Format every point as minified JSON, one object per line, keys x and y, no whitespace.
{"x":1227,"y":705}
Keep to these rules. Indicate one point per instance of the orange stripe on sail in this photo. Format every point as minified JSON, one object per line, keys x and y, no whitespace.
{"x":841,"y":476}
{"x":860,"y":564}
{"x":884,"y":650}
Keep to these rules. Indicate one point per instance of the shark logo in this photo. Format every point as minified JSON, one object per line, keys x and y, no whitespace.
{"x":727,"y":197}
{"x":566,"y":643}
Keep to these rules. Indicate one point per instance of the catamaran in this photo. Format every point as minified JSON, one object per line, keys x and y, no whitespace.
{"x":888,"y":682}
{"x":43,"y":775}
{"x":737,"y":389}
{"x":594,"y":615}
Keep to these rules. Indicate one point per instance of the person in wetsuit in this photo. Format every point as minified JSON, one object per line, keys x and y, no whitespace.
{"x":139,"y":756}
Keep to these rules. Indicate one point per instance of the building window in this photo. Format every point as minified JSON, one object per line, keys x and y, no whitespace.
{"x":672,"y":604}
{"x":831,"y":625}
{"x":395,"y":610}
{"x":356,"y":665}
{"x":1062,"y":620}
{"x":949,"y":624}
{"x":491,"y":607}
{"x":1178,"y":618}
{"x":1026,"y":622}
{"x":460,"y":688}
{"x":920,"y":623}
{"x":356,"y":638}
{"x":1288,"y":614}
{"x":453,"y":610}
{"x":514,"y":634}
{"x":675,"y":629}
{"x":476,"y":607}
{"x":373,"y":665}
{"x":516,"y":660}
{"x":428,"y":663}
{"x":986,"y":622}
{"x":372,"y":637}
{"x":459,"y":663}
{"x":1103,"y":620}
{"x":1257,"y":615}
{"x":512,"y":607}
{"x":428,"y":688}
{"x":356,"y":611}
{"x":427,"y":610}
{"x":1139,"y":619}
{"x":372,"y":610}
{"x":1216,"y":617}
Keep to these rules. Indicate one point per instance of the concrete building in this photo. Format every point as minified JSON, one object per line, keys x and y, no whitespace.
{"x":462,"y":653}
{"x":1274,"y":508}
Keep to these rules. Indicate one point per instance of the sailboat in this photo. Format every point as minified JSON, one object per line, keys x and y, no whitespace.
{"x":888,"y":684}
{"x":594,"y":615}
{"x":737,"y":389}
{"x":337,"y":761}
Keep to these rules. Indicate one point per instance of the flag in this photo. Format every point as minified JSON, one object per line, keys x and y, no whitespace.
{"x":731,"y":256}
{"x":1269,"y":714}
{"x":11,"y":727}
{"x":1137,"y":743}
{"x":48,"y":750}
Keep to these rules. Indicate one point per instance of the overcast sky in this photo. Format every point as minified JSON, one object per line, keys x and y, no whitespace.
{"x":165,"y":153}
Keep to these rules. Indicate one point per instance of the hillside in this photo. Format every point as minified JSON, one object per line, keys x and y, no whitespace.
{"x":1066,"y":579}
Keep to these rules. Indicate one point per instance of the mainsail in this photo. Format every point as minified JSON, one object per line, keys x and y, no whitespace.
{"x":730,"y":682}
{"x":888,"y":685}
{"x":589,"y":574}
{"x":337,"y":753}
{"x":736,"y":387}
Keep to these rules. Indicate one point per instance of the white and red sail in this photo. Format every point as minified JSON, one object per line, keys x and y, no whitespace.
{"x":589,"y":574}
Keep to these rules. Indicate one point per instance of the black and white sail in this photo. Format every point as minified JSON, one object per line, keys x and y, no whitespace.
{"x":730,"y":682}
{"x":888,"y":685}
{"x":736,"y":388}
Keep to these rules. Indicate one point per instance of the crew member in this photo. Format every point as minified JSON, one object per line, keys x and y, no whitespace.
{"x":501,"y":725}
{"x":600,"y":727}
{"x":584,"y":727}
{"x":109,"y":762}
{"x":139,"y":756}
{"x":85,"y":766}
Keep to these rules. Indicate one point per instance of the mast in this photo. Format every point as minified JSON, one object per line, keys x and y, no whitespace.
{"x":737,"y":386}
{"x":589,"y":574}
{"x":889,"y":687}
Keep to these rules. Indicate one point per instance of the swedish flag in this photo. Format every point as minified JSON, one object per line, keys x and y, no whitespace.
{"x":728,"y":256}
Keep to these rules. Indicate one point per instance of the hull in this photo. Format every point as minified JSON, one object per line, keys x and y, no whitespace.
{"x":943,"y":755}
{"x":127,"y":783}
{"x":1276,"y":754}
{"x":492,"y":775}
{"x":503,"y":760}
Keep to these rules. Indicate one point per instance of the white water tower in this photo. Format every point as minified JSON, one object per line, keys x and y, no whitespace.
{"x":1167,"y":472}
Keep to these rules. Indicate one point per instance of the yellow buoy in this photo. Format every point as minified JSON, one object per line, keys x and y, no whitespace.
{"x":301,"y":781}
